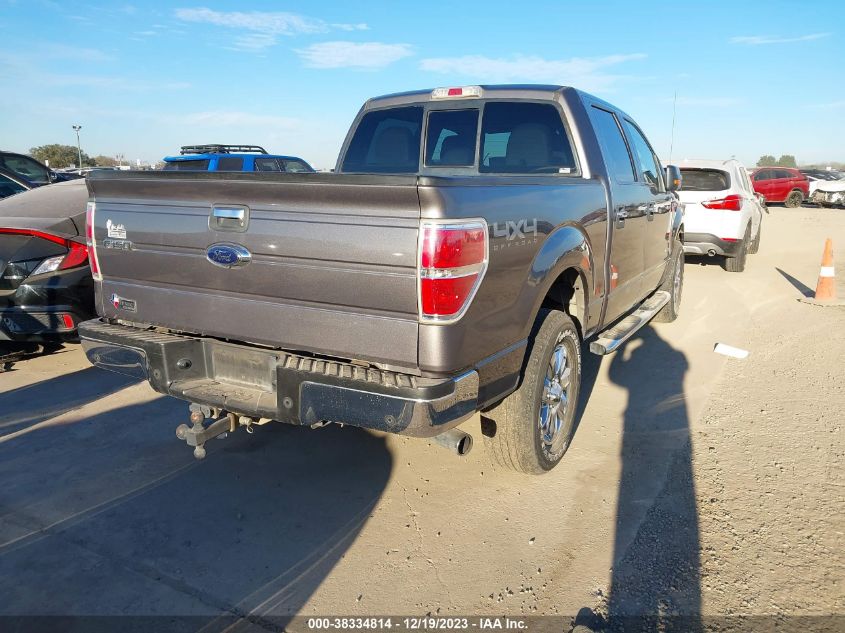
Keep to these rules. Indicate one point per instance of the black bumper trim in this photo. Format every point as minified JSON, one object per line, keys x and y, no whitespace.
{"x":281,"y":385}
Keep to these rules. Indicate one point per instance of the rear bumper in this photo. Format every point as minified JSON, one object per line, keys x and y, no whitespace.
{"x":703,"y":243}
{"x":34,"y":311}
{"x":280,"y":385}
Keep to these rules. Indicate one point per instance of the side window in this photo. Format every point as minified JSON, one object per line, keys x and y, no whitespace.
{"x":524,"y":138}
{"x":747,"y":181}
{"x":296,"y":167}
{"x":450,"y":138}
{"x":386,"y":142}
{"x":230,"y":163}
{"x":647,"y":163}
{"x":616,"y":155}
{"x":267,"y":164}
{"x":783,"y":173}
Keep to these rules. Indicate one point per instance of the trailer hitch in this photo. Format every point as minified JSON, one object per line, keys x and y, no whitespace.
{"x":210,"y":422}
{"x":202,"y":430}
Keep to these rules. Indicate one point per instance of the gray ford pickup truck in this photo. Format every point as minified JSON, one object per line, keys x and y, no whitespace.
{"x":470,"y":241}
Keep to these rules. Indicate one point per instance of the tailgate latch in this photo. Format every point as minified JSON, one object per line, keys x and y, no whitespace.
{"x":230,"y":217}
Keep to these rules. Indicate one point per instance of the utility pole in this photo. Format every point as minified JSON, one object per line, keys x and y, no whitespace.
{"x":76,"y":129}
{"x":672,"y":138}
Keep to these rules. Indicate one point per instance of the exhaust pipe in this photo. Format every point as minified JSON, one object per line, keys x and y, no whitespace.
{"x":456,"y":441}
{"x":711,"y":253}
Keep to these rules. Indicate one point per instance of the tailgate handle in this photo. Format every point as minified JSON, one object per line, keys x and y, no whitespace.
{"x":229,"y":218}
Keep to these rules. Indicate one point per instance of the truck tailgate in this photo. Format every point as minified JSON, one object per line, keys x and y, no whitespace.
{"x":332,"y":266}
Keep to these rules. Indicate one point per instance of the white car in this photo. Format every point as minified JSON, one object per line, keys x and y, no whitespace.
{"x":829,"y":193}
{"x":723,"y":214}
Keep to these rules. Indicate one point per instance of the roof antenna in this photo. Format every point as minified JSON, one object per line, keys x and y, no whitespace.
{"x":672,"y":137}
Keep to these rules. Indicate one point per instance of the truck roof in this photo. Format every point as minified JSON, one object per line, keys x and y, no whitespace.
{"x":523,"y":91}
{"x":494,"y":91}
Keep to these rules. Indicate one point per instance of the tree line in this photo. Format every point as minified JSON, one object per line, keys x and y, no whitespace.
{"x":58,"y":156}
{"x":786,"y":160}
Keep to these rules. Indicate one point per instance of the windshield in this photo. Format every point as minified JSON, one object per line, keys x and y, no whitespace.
{"x":186,"y":165}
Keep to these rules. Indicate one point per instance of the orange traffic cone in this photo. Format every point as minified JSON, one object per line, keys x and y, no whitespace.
{"x":826,"y":288}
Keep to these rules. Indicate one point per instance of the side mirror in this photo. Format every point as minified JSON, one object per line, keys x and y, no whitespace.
{"x":673,"y":178}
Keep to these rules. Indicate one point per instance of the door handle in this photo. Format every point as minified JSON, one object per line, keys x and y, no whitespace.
{"x":621,"y":215}
{"x":229,"y":218}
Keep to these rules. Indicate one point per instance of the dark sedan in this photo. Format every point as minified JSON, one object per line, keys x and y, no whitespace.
{"x":45,"y":282}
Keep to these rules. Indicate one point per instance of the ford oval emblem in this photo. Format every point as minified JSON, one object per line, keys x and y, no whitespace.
{"x":228,"y":255}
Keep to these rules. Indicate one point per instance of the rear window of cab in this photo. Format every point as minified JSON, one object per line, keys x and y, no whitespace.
{"x":515,"y":138}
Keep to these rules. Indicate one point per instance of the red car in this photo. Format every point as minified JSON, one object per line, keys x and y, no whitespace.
{"x":781,"y":184}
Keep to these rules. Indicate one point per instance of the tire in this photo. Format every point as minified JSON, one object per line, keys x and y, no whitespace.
{"x":523,"y":432}
{"x":736,"y":264}
{"x":674,"y":285}
{"x":755,"y":243}
{"x":794,"y":199}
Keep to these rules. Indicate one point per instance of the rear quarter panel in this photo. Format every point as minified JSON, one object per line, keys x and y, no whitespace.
{"x":539,"y":227}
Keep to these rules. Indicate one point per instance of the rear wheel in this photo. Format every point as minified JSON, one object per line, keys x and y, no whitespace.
{"x":794,"y":199}
{"x":736,"y":264}
{"x":530,"y":430}
{"x":673,"y":283}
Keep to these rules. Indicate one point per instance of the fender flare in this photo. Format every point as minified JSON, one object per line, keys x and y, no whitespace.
{"x":566,"y":247}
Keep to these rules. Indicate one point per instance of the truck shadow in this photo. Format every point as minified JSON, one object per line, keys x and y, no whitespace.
{"x":53,"y":396}
{"x":138,"y":527}
{"x":655,"y":582}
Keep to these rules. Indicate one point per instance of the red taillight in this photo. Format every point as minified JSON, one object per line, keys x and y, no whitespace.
{"x":77,"y":254}
{"x":92,"y":243}
{"x":453,"y":259}
{"x":728,"y":203}
{"x":452,"y":247}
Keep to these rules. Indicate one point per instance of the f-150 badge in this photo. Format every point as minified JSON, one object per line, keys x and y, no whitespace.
{"x":228,"y":255}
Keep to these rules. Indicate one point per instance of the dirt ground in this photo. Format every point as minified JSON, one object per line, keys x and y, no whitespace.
{"x":696,"y":485}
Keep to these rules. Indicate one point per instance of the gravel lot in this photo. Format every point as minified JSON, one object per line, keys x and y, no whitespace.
{"x":695,"y":485}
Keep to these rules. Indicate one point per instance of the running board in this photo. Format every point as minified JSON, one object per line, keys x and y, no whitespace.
{"x":611,"y":340}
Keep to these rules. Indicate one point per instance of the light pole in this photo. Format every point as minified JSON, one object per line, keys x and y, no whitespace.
{"x":76,"y":129}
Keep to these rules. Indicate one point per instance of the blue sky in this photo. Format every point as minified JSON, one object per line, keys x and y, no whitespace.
{"x":146,"y":77}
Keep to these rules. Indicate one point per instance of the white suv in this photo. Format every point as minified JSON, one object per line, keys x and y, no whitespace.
{"x":722,"y":213}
